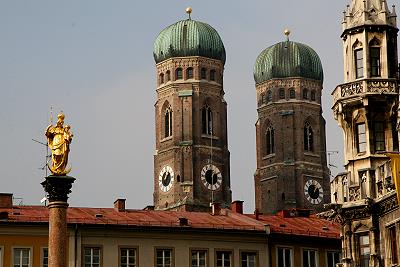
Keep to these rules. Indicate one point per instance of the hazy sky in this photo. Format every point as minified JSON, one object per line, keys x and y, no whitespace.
{"x":93,"y":60}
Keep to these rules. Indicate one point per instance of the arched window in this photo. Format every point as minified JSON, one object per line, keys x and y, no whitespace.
{"x":282,"y":93}
{"x":178,"y":74}
{"x":203,"y":73}
{"x":308,"y":137}
{"x":207,"y":120}
{"x":292,"y":93}
{"x":168,"y":122}
{"x":167,"y":76}
{"x":313,"y":95}
{"x":261,"y":99}
{"x":189,"y":73}
{"x":161,"y":79}
{"x":212,"y":75}
{"x":358,"y":59}
{"x":269,"y":96}
{"x":270,"y":140}
{"x":305,"y":93}
{"x":375,"y":57}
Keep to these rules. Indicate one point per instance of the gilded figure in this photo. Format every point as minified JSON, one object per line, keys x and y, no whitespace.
{"x":59,"y":137}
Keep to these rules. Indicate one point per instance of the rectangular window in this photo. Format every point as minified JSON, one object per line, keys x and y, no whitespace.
{"x":333,"y":258}
{"x":375,"y":60}
{"x":393,"y":245}
{"x":224,"y":258}
{"x":284,"y":257}
{"x":379,"y":136}
{"x":249,"y":259}
{"x":358,"y":58}
{"x":45,"y":257}
{"x":198,"y":258}
{"x":163,"y":257}
{"x":91,"y":257}
{"x":309,"y":258}
{"x":127,"y":257}
{"x":364,"y":250}
{"x":361,"y":138}
{"x":22,"y":257}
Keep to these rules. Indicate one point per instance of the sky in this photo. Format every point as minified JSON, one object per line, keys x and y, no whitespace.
{"x":93,"y":60}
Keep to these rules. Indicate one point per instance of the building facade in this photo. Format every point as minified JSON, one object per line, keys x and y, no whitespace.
{"x":191,"y":162}
{"x":123,"y":237}
{"x":290,"y":131}
{"x":366,"y":108}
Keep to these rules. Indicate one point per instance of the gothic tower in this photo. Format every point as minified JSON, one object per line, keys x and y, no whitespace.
{"x":365,"y":106}
{"x":290,"y":130}
{"x":191,"y":161}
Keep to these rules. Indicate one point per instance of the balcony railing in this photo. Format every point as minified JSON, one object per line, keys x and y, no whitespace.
{"x":365,"y":87}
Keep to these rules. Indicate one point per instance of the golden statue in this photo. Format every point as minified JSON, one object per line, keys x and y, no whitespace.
{"x":59,"y":138}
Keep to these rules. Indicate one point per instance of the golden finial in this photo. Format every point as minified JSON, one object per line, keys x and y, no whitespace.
{"x":287,"y":33}
{"x":189,"y":11}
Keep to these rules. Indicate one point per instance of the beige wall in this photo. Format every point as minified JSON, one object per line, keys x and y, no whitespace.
{"x":147,"y":240}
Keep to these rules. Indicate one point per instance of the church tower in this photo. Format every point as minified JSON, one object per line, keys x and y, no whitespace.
{"x":290,"y":130}
{"x":191,"y":161}
{"x":366,"y":105}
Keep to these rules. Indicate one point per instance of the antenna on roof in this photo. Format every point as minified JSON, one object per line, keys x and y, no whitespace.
{"x":48,"y":156}
{"x":330,"y":153}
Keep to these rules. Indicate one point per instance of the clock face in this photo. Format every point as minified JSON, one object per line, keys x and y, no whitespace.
{"x":211,"y":177}
{"x":313,"y":191}
{"x":166,"y":178}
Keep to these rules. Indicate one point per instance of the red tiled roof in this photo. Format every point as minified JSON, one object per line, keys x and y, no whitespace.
{"x":304,"y":226}
{"x":110,"y":216}
{"x":279,"y":224}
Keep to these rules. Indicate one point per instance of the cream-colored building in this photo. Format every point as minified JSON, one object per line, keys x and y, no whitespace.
{"x":101,"y":237}
{"x":366,"y":108}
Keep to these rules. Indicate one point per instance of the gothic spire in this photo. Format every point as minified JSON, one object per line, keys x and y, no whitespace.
{"x":363,"y":12}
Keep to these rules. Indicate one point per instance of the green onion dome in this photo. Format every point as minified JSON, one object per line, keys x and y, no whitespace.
{"x":288,"y":59}
{"x":189,"y":38}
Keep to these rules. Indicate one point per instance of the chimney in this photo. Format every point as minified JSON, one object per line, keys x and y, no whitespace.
{"x":215,"y":208}
{"x":6,"y":200}
{"x":119,"y":204}
{"x":237,"y":206}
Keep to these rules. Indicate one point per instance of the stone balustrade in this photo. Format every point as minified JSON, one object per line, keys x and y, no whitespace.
{"x":365,"y":87}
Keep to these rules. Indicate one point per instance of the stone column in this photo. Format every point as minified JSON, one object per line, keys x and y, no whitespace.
{"x":57,"y":189}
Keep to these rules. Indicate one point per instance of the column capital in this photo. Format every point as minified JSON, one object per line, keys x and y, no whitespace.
{"x":58,"y":187}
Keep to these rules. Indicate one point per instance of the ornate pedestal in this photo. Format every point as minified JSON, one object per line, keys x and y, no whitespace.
{"x":57,"y":189}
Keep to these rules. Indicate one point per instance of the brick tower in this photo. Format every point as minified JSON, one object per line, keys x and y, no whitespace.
{"x":191,"y":161}
{"x":290,"y":130}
